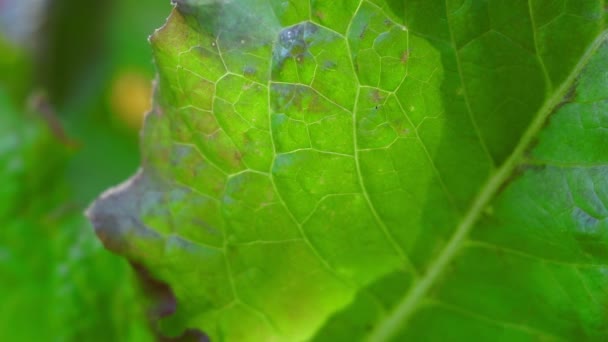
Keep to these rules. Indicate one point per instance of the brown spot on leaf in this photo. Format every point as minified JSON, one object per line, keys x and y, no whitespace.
{"x":315,"y":105}
{"x":164,"y":303}
{"x":405,"y":56}
{"x":363,"y":31}
{"x":320,"y":15}
{"x":376,"y":97}
{"x":237,"y":156}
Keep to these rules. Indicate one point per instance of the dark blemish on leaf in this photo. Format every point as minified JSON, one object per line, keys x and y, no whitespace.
{"x":363,"y":31}
{"x":388,"y":22}
{"x":315,"y":105}
{"x":163,"y":304}
{"x":500,"y":254}
{"x":405,"y":56}
{"x":320,"y":15}
{"x":568,"y":98}
{"x":216,"y":188}
{"x":195,"y":221}
{"x":246,"y":140}
{"x":237,"y":156}
{"x":571,"y":94}
{"x":293,"y":40}
{"x":194,"y":336}
{"x":329,"y":65}
{"x":111,"y":236}
{"x":517,"y":172}
{"x":375,"y":96}
{"x":249,"y":70}
{"x":293,"y":43}
{"x":532,"y":145}
{"x":524,"y":167}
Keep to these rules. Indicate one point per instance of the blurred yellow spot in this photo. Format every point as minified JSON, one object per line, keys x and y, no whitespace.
{"x":131,"y":97}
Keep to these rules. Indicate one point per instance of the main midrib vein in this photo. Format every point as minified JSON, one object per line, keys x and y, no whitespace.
{"x":406,"y":307}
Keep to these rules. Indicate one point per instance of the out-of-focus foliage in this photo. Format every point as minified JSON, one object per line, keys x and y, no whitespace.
{"x":57,"y":283}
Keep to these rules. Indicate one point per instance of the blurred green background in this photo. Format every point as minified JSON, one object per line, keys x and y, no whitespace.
{"x":75,"y":80}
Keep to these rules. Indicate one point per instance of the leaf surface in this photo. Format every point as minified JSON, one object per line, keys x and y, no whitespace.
{"x":375,"y":170}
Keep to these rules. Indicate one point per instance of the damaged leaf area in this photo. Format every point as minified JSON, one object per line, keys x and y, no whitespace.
{"x":375,"y":170}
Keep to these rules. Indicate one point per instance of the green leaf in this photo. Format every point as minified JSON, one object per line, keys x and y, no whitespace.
{"x":379,"y":170}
